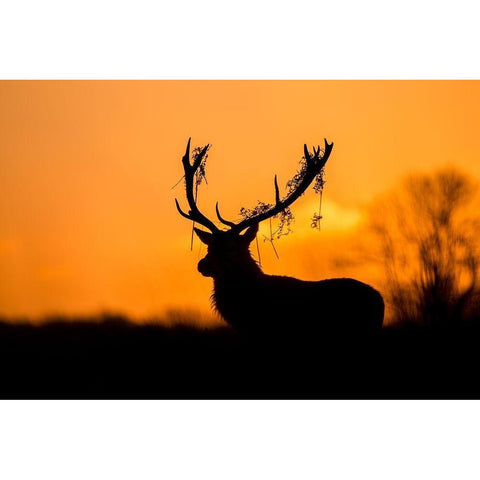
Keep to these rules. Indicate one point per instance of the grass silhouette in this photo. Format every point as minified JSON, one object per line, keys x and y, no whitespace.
{"x":111,"y":357}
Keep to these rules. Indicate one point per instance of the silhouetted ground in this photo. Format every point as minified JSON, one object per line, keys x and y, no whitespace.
{"x":113,"y":358}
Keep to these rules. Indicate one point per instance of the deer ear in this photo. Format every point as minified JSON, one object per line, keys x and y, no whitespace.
{"x":251,"y":233}
{"x":205,"y":237}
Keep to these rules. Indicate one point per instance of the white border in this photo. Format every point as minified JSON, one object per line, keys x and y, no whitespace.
{"x":213,"y":39}
{"x":239,"y":440}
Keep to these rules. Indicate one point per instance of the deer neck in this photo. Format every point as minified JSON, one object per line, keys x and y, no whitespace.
{"x":245,"y":272}
{"x":233,"y":291}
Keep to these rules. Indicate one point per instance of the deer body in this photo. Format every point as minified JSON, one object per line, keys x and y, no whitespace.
{"x":256,"y":303}
{"x":259,"y":304}
{"x":289,"y":306}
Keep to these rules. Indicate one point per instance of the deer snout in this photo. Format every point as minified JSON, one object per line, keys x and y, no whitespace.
{"x":204,"y":267}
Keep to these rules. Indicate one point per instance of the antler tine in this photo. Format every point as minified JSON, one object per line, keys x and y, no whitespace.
{"x":186,"y":157}
{"x":225,"y":222}
{"x":277,"y":192}
{"x":326,"y":153}
{"x":306,"y":153}
{"x":181,"y":212}
{"x":194,"y":213}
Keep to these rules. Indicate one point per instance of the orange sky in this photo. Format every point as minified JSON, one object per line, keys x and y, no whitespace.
{"x":87,"y":219}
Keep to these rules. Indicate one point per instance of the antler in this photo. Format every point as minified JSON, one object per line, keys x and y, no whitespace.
{"x":314,"y":163}
{"x":194,"y":213}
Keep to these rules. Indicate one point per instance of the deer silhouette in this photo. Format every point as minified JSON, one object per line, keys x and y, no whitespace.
{"x":259,"y":304}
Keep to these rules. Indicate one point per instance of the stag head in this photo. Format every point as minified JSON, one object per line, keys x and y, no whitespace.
{"x":228,"y":249}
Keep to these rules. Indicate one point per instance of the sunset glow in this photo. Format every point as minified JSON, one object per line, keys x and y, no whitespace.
{"x":87,"y":216}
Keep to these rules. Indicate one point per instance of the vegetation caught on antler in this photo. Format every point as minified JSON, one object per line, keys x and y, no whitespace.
{"x":297,"y":179}
{"x":200,"y":174}
{"x":316,"y":220}
{"x":285,"y":217}
{"x":253,"y":212}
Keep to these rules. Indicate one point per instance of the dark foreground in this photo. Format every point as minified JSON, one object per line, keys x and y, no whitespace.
{"x":113,"y":358}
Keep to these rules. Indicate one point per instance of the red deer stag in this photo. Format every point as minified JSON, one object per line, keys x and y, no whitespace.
{"x":256,"y":303}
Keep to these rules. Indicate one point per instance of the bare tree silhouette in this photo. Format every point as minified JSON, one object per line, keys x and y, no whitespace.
{"x":429,"y":247}
{"x":261,"y":304}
